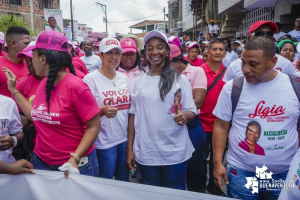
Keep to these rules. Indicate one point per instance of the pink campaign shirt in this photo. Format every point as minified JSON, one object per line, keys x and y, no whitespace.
{"x":197,"y":63}
{"x":132,"y":74}
{"x":60,"y":132}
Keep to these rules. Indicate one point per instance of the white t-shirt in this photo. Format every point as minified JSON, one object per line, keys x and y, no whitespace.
{"x":213,"y":29}
{"x":293,"y":176}
{"x":229,"y":58}
{"x":92,"y":62}
{"x":10,"y":124}
{"x":277,"y":36}
{"x":113,"y":130}
{"x":295,"y":34}
{"x":267,"y":104}
{"x":159,"y":140}
{"x":235,"y":68}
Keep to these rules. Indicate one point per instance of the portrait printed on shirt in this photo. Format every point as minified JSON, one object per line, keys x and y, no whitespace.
{"x":177,"y":97}
{"x":252,"y":135}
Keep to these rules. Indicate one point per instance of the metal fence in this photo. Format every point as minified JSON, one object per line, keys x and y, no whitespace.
{"x":17,"y":2}
{"x":266,"y":13}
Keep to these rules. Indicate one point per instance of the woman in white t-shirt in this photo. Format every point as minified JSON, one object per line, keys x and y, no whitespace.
{"x":158,"y":139}
{"x":230,"y":55}
{"x":111,"y":91}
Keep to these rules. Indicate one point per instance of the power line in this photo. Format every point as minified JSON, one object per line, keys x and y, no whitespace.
{"x":86,"y":8}
{"x":86,"y":12}
{"x":135,"y":7}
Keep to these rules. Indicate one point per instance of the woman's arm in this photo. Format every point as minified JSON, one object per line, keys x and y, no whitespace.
{"x":199,"y":95}
{"x":89,"y":137}
{"x":19,"y":98}
{"x":130,"y":140}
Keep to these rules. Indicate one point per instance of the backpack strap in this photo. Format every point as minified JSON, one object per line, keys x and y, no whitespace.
{"x":295,"y":81}
{"x":236,"y":91}
{"x":216,"y":79}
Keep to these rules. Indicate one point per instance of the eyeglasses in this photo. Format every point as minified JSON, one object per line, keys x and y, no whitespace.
{"x":130,"y":54}
{"x":263,"y":33}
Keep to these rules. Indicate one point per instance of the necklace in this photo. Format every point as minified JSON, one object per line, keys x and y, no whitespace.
{"x":113,"y":80}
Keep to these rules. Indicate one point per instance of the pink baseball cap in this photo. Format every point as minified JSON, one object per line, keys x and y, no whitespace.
{"x":174,"y":40}
{"x":25,"y":51}
{"x":174,"y":51}
{"x":51,"y":40}
{"x":193,"y":44}
{"x":2,"y":38}
{"x":108,"y":44}
{"x":128,"y":45}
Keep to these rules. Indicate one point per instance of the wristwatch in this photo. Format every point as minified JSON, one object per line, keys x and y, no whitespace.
{"x":15,"y":140}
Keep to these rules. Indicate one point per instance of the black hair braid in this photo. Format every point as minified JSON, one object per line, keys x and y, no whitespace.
{"x":72,"y":69}
{"x":50,"y":82}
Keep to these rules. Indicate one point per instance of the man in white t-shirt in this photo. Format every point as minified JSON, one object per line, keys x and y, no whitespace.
{"x":10,"y":128}
{"x":259,"y":29}
{"x":213,"y":28}
{"x":296,"y":32}
{"x":91,"y":61}
{"x":263,"y":135}
{"x":278,"y":34}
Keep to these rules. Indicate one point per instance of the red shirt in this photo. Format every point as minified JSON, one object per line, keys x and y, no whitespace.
{"x":78,"y":73}
{"x":3,"y":53}
{"x":20,"y":70}
{"x":28,"y":87}
{"x":79,"y":64}
{"x":60,"y":132}
{"x":197,"y":63}
{"x":206,"y":116}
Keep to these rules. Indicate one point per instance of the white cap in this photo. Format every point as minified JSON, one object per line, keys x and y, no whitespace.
{"x":153,"y":34}
{"x":298,"y":47}
{"x":108,"y":44}
{"x":237,"y":41}
{"x":193,"y":44}
{"x":187,"y":43}
{"x":2,"y":38}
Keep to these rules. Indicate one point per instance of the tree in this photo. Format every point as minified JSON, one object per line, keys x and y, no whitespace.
{"x":8,"y":20}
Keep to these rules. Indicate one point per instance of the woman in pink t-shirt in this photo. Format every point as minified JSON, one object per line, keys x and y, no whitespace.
{"x":192,"y":54}
{"x":64,"y":110}
{"x":130,"y":60}
{"x":196,"y":171}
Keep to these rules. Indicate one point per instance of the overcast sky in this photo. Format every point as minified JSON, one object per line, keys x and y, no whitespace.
{"x":118,"y":11}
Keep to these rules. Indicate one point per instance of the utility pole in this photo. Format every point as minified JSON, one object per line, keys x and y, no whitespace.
{"x":105,"y":12}
{"x":72,"y":25}
{"x":164,"y":18}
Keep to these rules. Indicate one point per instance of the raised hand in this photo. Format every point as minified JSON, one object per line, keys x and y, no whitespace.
{"x":108,"y":111}
{"x":179,"y":117}
{"x":11,"y":80}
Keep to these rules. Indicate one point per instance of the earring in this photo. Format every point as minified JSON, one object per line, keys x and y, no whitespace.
{"x":167,"y":55}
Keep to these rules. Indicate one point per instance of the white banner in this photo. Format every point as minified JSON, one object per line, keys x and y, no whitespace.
{"x":49,"y":185}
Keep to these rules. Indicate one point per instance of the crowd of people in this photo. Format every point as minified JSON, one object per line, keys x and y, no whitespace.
{"x":166,"y":111}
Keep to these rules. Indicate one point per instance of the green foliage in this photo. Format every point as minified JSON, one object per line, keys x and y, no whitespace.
{"x":8,"y":20}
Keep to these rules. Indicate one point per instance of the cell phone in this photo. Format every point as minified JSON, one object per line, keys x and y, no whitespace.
{"x":83,"y":161}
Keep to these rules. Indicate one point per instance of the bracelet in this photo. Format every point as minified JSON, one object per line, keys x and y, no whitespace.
{"x":16,"y":93}
{"x":74,"y":155}
{"x":15,"y":140}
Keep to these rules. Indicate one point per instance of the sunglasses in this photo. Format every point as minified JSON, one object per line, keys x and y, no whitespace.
{"x":263,"y":33}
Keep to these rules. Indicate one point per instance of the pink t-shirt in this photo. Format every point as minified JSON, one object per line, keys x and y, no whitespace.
{"x":60,"y":132}
{"x":20,"y":70}
{"x":196,"y":76}
{"x":78,"y":73}
{"x":28,"y":87}
{"x":3,"y":53}
{"x":197,"y":63}
{"x":132,"y":74}
{"x":79,"y":65}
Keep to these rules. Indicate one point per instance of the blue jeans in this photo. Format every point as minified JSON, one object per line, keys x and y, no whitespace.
{"x":89,"y":169}
{"x":197,"y":167}
{"x":112,"y":162}
{"x":237,"y":180}
{"x":170,"y":176}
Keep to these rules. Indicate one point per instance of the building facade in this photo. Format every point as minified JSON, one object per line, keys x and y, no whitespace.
{"x":238,"y":15}
{"x":31,"y":10}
